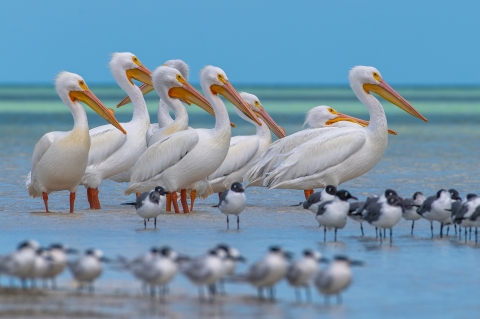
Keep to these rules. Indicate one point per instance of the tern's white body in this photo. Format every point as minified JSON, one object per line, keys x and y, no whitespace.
{"x":153,"y":269}
{"x":20,"y":263}
{"x":333,"y":279}
{"x":271,"y":157}
{"x":42,"y":265}
{"x":301,"y":272}
{"x":334,"y":215}
{"x":268,"y":271}
{"x":411,"y":214}
{"x":86,"y":268}
{"x":111,"y":151}
{"x":59,"y":262}
{"x":205,"y":270}
{"x":183,"y":158}
{"x":60,"y":158}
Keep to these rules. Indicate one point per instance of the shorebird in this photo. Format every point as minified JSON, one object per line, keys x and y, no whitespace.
{"x":410,"y":207}
{"x":437,"y":208}
{"x":87,"y":268}
{"x":336,"y":277}
{"x":233,"y":202}
{"x":301,"y":272}
{"x":333,"y":214}
{"x":314,"y":200}
{"x":268,"y":271}
{"x":20,"y":263}
{"x":150,"y":204}
{"x":384,"y":215}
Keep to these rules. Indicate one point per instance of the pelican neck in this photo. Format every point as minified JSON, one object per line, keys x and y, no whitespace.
{"x":80,"y":120}
{"x":164,"y":118}
{"x":378,"y":120}
{"x":181,"y":115}
{"x":140,"y":111}
{"x":222,"y":120}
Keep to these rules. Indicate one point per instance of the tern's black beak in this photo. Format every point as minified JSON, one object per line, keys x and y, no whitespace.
{"x":356,"y":263}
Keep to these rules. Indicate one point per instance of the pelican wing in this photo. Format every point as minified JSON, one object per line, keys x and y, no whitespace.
{"x":317,"y":155}
{"x":151,"y":131}
{"x":104,"y":141}
{"x":241,"y":151}
{"x":270,"y":159}
{"x":43,"y":145}
{"x":163,"y":154}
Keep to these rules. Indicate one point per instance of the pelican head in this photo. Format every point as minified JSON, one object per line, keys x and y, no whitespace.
{"x":147,"y":88}
{"x":72,"y":88}
{"x":215,"y":81}
{"x":324,"y":116}
{"x":372,"y":81}
{"x":170,"y":83}
{"x":126,"y":65}
{"x":258,"y":109}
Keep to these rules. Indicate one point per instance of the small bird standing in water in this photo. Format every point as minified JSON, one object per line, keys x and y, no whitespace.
{"x":233,"y":202}
{"x":336,"y":277}
{"x":150,"y":204}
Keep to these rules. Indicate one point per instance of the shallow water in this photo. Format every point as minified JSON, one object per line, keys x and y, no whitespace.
{"x":416,"y":276}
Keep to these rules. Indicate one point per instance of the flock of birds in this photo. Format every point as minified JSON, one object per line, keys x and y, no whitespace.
{"x":156,"y":268}
{"x":197,"y":162}
{"x":331,"y":209}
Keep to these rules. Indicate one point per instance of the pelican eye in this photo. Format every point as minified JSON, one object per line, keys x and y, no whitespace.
{"x":221,"y":78}
{"x":376,"y":76}
{"x":330,"y":110}
{"x":136,"y":61}
{"x":82,"y":84}
{"x":257,"y":104}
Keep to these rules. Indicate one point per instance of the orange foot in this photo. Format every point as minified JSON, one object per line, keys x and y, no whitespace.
{"x":72,"y":202}
{"x":193,"y":195}
{"x":183,"y":200}
{"x":45,"y":200}
{"x":95,"y":203}
{"x":175,"y":202}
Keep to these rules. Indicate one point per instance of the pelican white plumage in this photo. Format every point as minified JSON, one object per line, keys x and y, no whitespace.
{"x":186,"y":157}
{"x":60,"y":158}
{"x":112,"y":153}
{"x":321,"y":119}
{"x":244,"y":150}
{"x":346,"y":153}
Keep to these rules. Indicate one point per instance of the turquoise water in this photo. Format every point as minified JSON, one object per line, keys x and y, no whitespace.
{"x":416,"y":277}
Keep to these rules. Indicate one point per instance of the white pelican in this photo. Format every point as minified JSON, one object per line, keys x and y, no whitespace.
{"x":60,"y":158}
{"x":321,"y":119}
{"x":112,"y":153}
{"x":345,"y":153}
{"x":186,"y":157}
{"x":244,"y":150}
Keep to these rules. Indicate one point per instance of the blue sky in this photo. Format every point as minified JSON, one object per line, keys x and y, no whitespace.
{"x":254,"y":41}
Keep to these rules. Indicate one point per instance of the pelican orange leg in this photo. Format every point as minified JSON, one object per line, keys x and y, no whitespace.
{"x":95,"y":203}
{"x":168,"y":207}
{"x":308,"y":193}
{"x":193,"y":195}
{"x":72,"y":202}
{"x":183,"y":200}
{"x":45,"y":200}
{"x":175,"y":202}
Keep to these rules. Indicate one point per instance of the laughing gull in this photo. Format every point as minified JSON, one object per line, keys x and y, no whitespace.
{"x":150,"y":204}
{"x":410,"y":207}
{"x":353,"y":212}
{"x":206,"y":270}
{"x":384,"y":215}
{"x":87,"y":268}
{"x":437,"y":208}
{"x":327,"y":194}
{"x":455,"y":196}
{"x":300,"y":273}
{"x":333,"y":214}
{"x":461,"y":212}
{"x":268,"y":271}
{"x":475,"y":219}
{"x":154,"y":269}
{"x":20,"y":263}
{"x":336,"y":277}
{"x":233,"y":202}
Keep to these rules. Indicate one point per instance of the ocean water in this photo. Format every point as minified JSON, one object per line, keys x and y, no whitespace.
{"x":416,"y":276}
